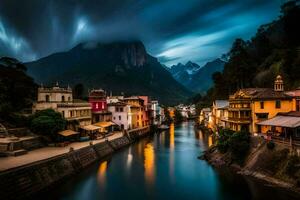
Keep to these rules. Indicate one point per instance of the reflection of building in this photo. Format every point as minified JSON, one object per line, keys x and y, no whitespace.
{"x":76,"y":112}
{"x":97,"y":99}
{"x":249,"y":106}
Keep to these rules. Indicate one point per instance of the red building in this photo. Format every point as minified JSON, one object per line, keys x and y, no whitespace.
{"x":97,"y":99}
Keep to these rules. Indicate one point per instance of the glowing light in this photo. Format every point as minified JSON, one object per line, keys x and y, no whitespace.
{"x":172,"y":136}
{"x":102,"y":173}
{"x":210,"y":140}
{"x":149,"y":160}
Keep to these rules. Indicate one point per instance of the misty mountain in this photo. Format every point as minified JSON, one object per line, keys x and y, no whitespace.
{"x":194,"y":77}
{"x":117,"y":67}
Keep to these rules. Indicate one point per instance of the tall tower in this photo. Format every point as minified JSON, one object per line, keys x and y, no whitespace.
{"x":278,"y":84}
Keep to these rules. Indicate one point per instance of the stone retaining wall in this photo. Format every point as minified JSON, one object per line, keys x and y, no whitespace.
{"x":25,"y":181}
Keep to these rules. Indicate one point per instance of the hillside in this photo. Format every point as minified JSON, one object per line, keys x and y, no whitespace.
{"x":117,"y":67}
{"x":275,"y":49}
{"x":194,"y":77}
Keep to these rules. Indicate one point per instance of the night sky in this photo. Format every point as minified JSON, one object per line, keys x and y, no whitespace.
{"x":172,"y":30}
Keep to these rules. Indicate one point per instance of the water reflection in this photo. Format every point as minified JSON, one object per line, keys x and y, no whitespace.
{"x":101,"y":175}
{"x":172,"y":137}
{"x":129,"y":159}
{"x":210,"y":140}
{"x":172,"y":147}
{"x":149,"y":161}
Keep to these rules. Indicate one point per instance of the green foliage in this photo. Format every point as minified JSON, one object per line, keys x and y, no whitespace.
{"x":168,"y":119}
{"x":78,"y":91}
{"x":17,"y":90}
{"x":237,"y":143}
{"x":223,"y":140}
{"x":271,"y":145}
{"x":255,"y":63}
{"x":47,"y":122}
{"x":178,"y":116}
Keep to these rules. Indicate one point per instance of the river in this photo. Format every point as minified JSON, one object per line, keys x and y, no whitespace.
{"x":163,"y":166}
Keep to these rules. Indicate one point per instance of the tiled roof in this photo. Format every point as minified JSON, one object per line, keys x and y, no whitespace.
{"x":264,"y":93}
{"x":221,"y":103}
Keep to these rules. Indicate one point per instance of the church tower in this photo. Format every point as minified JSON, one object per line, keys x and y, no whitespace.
{"x":278,"y":84}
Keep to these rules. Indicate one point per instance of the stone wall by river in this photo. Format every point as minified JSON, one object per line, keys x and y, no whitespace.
{"x":27,"y":180}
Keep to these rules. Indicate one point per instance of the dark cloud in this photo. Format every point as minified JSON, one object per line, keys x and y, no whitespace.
{"x":173,"y":30}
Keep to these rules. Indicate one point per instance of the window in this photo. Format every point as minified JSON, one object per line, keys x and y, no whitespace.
{"x":278,"y":104}
{"x":63,"y":98}
{"x":47,"y":98}
{"x":119,"y":117}
{"x":97,"y":106}
{"x":114,"y":118}
{"x":297,"y":105}
{"x":69,"y":98}
{"x":121,"y":109}
{"x":137,"y":117}
{"x":63,"y":113}
{"x":262,"y":105}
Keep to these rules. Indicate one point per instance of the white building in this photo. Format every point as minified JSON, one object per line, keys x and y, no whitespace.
{"x":157,"y":112}
{"x":114,"y":99}
{"x":121,"y":114}
{"x":76,"y":112}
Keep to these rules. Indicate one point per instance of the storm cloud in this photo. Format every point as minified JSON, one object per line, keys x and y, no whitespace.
{"x":172,"y":30}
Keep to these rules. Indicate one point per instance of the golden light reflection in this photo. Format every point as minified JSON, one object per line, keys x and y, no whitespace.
{"x":149,"y":162}
{"x":129,"y":159}
{"x":102,"y":173}
{"x":172,"y":136}
{"x":200,"y":135}
{"x":210,"y":140}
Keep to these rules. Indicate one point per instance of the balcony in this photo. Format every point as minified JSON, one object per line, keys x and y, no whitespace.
{"x":240,"y":120}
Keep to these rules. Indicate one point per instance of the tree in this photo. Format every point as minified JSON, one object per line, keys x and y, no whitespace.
{"x":178,"y":116}
{"x":168,"y":118}
{"x":17,"y":89}
{"x":47,"y":123}
{"x":78,"y":91}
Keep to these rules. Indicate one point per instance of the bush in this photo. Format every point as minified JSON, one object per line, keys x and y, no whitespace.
{"x":47,"y":123}
{"x":223,"y":140}
{"x":239,"y":145}
{"x":271,"y":145}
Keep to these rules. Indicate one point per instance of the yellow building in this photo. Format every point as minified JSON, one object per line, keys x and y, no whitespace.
{"x":137,"y":111}
{"x":219,"y":112}
{"x":249,"y":106}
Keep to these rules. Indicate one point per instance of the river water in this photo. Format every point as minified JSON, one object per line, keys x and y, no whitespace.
{"x":163,"y":166}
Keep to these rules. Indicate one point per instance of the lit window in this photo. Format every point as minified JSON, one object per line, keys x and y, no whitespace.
{"x":97,"y":106}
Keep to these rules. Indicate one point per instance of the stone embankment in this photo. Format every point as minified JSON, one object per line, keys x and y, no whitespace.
{"x":27,"y":180}
{"x":261,"y":163}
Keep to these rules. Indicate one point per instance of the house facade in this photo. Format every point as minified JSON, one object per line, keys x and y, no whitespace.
{"x":98,"y":102}
{"x":76,"y":112}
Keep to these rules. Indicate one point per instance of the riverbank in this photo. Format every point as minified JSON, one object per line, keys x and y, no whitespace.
{"x":261,"y":163}
{"x":24,"y":181}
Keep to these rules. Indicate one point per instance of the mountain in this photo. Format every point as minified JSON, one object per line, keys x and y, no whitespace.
{"x":194,"y":77}
{"x":117,"y":67}
{"x":273,"y":50}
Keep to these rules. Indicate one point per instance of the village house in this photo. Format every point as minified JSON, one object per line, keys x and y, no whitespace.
{"x":137,"y":111}
{"x":76,"y":112}
{"x":219,"y":111}
{"x":98,"y":102}
{"x":157,"y":116}
{"x":250,"y":106}
{"x":121,"y":114}
{"x":204,"y":116}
